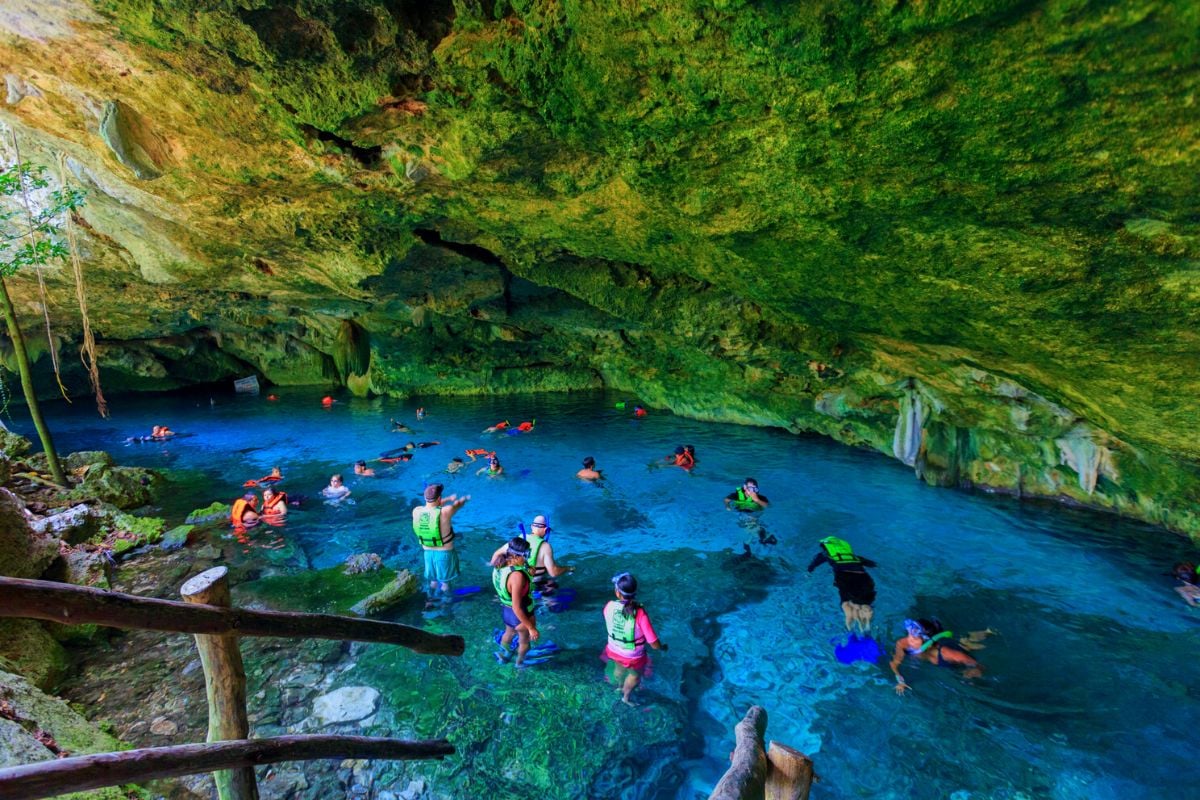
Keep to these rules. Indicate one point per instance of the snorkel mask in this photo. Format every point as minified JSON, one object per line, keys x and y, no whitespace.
{"x":629,"y":580}
{"x":914,"y":628}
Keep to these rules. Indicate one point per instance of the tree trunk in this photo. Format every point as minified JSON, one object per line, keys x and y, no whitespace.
{"x":35,"y":411}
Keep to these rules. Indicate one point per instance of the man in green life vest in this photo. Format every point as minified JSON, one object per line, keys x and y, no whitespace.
{"x":431,"y":524}
{"x":746,"y":500}
{"x":512,"y":582}
{"x":856,"y":588}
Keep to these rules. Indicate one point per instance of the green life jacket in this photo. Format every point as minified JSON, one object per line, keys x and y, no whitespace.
{"x":500,"y":584}
{"x":535,"y":546}
{"x":937,"y":636}
{"x":839,"y":551}
{"x":744,"y":503}
{"x":622,"y":629}
{"x":427,"y":525}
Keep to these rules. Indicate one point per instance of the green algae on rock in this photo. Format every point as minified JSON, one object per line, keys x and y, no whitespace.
{"x":769,"y":214}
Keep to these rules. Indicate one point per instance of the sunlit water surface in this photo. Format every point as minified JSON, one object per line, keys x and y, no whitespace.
{"x":1090,"y":689}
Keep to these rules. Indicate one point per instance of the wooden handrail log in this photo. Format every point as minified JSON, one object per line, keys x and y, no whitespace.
{"x":59,"y":776}
{"x":747,"y":774}
{"x":78,"y":605}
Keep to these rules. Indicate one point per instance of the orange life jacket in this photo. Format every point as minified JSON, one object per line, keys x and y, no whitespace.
{"x":279,"y":500}
{"x":685,"y":460}
{"x":240,"y":506}
{"x":525,"y":426}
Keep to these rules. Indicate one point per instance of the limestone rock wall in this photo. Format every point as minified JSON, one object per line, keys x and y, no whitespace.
{"x":964,"y":235}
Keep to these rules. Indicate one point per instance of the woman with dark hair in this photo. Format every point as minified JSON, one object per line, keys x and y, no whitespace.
{"x":929,"y":641}
{"x":1189,"y":581}
{"x":629,"y":631}
{"x":589,"y":471}
{"x":512,"y":581}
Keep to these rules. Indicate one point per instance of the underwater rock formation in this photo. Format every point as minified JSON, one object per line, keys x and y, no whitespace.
{"x":766,"y":214}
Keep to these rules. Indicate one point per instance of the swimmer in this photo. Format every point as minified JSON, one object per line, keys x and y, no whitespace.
{"x":274,"y":475}
{"x":435,"y":532}
{"x":421,"y":412}
{"x":928,"y":641}
{"x":361,"y":468}
{"x":856,"y":588}
{"x":1189,"y":582}
{"x":639,"y":412}
{"x":510,"y":579}
{"x":681,"y":458}
{"x":499,"y":426}
{"x":589,"y":471}
{"x":493,"y":469}
{"x":243,"y":511}
{"x":336,"y":490}
{"x":746,"y":498}
{"x":400,"y":427}
{"x":629,"y":631}
{"x":526,"y":427}
{"x":274,"y":504}
{"x":327,"y":401}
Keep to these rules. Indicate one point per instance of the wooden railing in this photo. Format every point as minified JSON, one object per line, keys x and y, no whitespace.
{"x":230,"y":755}
{"x":758,"y":772}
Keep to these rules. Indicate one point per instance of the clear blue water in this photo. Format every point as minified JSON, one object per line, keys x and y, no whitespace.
{"x":1091,"y":687}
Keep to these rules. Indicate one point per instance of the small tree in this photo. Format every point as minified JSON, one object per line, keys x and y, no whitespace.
{"x":31,"y":237}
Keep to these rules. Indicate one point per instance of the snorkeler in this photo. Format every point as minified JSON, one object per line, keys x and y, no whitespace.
{"x":928,"y":641}
{"x":432,"y":525}
{"x":243,"y":511}
{"x":856,"y":589}
{"x":747,"y":501}
{"x":542,"y":566}
{"x":274,"y":504}
{"x":421,"y":412}
{"x":629,"y":631}
{"x":361,"y":468}
{"x":639,"y":412}
{"x":493,"y":469}
{"x":499,"y":426}
{"x":589,"y":471}
{"x":510,"y":579}
{"x":336,"y":490}
{"x":1189,"y":582}
{"x":400,"y":427}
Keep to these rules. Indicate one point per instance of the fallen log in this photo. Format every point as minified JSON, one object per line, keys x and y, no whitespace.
{"x":59,"y":776}
{"x":78,"y":605}
{"x":747,"y":774}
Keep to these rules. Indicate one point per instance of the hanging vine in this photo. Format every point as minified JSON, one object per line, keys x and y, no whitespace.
{"x":37,"y":267}
{"x":87,"y":351}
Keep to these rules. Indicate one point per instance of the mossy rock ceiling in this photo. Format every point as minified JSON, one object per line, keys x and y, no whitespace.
{"x":805,"y":214}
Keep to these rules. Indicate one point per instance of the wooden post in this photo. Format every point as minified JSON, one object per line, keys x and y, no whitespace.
{"x":747,"y":773}
{"x":224,"y":683}
{"x":790,"y":776}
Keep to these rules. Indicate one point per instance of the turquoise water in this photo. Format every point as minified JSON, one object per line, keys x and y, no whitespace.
{"x":1090,"y":687}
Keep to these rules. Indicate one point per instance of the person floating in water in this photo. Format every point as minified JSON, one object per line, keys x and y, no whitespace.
{"x":499,"y":426}
{"x":747,"y":501}
{"x":327,"y":401}
{"x":493,"y":469}
{"x":400,"y":427}
{"x":589,"y":471}
{"x":244,"y":512}
{"x":162,"y":432}
{"x":511,"y":580}
{"x":524,"y":427}
{"x":1189,"y":582}
{"x":435,"y":532}
{"x":681,"y":458}
{"x":629,"y":631}
{"x":361,"y":468}
{"x":419,"y":445}
{"x":421,"y":412}
{"x":336,"y":490}
{"x":639,"y":412}
{"x":856,"y":588}
{"x":274,"y":476}
{"x":928,"y":641}
{"x":274,"y":504}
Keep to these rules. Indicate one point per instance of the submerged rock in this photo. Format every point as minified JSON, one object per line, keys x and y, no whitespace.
{"x":348,"y":704}
{"x":217,"y":512}
{"x":363,"y":562}
{"x":402,"y":587}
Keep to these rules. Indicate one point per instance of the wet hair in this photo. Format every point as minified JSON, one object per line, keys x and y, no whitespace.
{"x":433,"y":491}
{"x":690,"y":448}
{"x":679,"y":450}
{"x":248,"y":496}
{"x":749,"y":481}
{"x":360,"y":463}
{"x":627,"y":587}
{"x":932,"y":627}
{"x":1187,"y":568}
{"x":456,"y":458}
{"x":335,"y":477}
{"x":589,"y":462}
{"x":518,"y":547}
